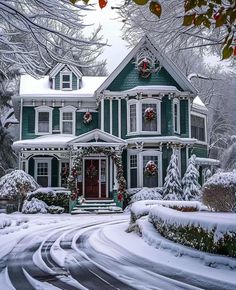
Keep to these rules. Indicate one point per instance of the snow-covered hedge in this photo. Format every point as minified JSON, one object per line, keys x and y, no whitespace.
{"x":148,"y":194}
{"x":206,"y":233}
{"x":38,"y":206}
{"x":142,"y":208}
{"x":51,"y":197}
{"x":15,"y":183}
{"x":219,"y":192}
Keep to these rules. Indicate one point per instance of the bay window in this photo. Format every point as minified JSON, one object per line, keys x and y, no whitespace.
{"x":198,"y":127}
{"x":176,"y":116}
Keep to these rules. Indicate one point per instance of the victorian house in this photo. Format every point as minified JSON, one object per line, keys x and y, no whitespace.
{"x":145,"y":110}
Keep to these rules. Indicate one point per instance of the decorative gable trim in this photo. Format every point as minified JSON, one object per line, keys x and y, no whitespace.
{"x":98,"y":135}
{"x":60,"y":66}
{"x":170,"y":67}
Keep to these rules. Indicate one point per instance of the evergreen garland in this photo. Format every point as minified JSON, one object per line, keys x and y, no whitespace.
{"x":117,"y":159}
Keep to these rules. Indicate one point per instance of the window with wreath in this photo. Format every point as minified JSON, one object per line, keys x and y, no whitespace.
{"x":149,"y":117}
{"x":150,"y":171}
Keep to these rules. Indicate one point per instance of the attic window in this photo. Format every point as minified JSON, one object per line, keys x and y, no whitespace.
{"x":66,"y":81}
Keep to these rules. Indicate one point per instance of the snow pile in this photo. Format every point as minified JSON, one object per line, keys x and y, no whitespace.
{"x":38,"y":206}
{"x":132,"y":191}
{"x":12,"y":183}
{"x":210,"y":232}
{"x":5,"y":221}
{"x":222,"y":178}
{"x":146,"y":193}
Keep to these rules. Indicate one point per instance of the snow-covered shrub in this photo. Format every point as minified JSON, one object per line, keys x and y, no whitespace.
{"x":34,"y":206}
{"x":51,"y":197}
{"x":219,"y":192}
{"x":147,"y":193}
{"x":16,"y":183}
{"x":55,"y":209}
{"x":191,"y":187}
{"x":172,"y":189}
{"x":209,"y":235}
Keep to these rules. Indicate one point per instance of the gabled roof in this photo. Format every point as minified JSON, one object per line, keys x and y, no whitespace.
{"x":170,"y":67}
{"x":60,"y":66}
{"x":98,"y":136}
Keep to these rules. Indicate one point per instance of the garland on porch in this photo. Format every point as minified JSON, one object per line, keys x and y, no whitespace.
{"x":97,"y":150}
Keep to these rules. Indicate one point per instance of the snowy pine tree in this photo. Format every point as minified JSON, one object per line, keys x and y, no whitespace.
{"x":172,"y":189}
{"x":208,"y":174}
{"x":191,"y":187}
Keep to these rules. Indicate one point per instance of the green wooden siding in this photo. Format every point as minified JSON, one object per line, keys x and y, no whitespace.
{"x":55,"y":119}
{"x":74,"y":82}
{"x":28,"y":123}
{"x":107,"y":116}
{"x":82,"y":128}
{"x":123,"y":119}
{"x":199,"y":150}
{"x":55,"y":172}
{"x":184,"y":118}
{"x":57,"y":82}
{"x":166,"y":117}
{"x":129,"y":78}
{"x":115,"y":117}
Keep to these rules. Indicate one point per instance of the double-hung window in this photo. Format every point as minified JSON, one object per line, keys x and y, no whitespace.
{"x":149,"y":117}
{"x":66,"y":80}
{"x":43,"y":120}
{"x":198,"y":127}
{"x":67,"y":120}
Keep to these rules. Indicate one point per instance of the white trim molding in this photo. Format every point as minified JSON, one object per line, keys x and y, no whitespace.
{"x":68,"y":109}
{"x":43,"y":109}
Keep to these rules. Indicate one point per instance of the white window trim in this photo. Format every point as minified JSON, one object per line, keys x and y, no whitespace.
{"x":139,"y":116}
{"x":44,"y":109}
{"x":63,"y":73}
{"x":44,"y":160}
{"x":68,"y":109}
{"x":176,"y":102}
{"x":140,"y":155}
{"x":205,"y":125}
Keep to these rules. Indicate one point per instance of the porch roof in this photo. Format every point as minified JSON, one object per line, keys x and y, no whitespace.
{"x":207,"y":161}
{"x":163,"y":139}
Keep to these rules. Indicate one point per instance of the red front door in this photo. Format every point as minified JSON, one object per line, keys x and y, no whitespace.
{"x":92,"y":178}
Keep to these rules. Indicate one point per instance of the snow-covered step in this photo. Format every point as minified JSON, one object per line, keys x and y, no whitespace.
{"x":99,"y":201}
{"x":96,"y":204}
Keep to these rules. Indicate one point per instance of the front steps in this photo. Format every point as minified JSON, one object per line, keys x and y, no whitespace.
{"x":98,"y":206}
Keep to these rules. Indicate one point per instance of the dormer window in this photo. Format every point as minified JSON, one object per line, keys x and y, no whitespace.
{"x":66,"y":81}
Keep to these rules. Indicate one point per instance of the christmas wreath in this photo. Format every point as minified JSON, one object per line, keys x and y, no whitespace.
{"x":149,"y":114}
{"x":150,"y":168}
{"x":87,"y":117}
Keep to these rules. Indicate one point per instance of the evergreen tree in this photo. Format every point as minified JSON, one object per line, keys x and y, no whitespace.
{"x":208,"y":174}
{"x":191,"y":187}
{"x":172,"y":189}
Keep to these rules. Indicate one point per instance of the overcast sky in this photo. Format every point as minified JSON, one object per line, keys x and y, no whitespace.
{"x":112,"y":33}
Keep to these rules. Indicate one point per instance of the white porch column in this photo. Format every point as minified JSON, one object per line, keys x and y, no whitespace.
{"x":119,"y":118}
{"x":102,"y":114}
{"x":111,"y":123}
{"x":115,"y":179}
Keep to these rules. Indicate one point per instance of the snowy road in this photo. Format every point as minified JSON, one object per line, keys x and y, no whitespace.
{"x":77,"y":253}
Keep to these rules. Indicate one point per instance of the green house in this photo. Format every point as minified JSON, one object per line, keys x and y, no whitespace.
{"x":145,"y":110}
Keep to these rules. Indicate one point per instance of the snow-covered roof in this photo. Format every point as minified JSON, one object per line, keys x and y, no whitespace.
{"x":37,"y":88}
{"x":55,"y":140}
{"x":198,"y":104}
{"x":207,"y":161}
{"x":162,"y":139}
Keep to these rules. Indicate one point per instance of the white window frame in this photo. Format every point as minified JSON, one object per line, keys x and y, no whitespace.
{"x":43,"y":109}
{"x":205,"y":126}
{"x":43,"y":160}
{"x":68,"y":109}
{"x":176,"y":102}
{"x":63,"y":73}
{"x":139,"y":116}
